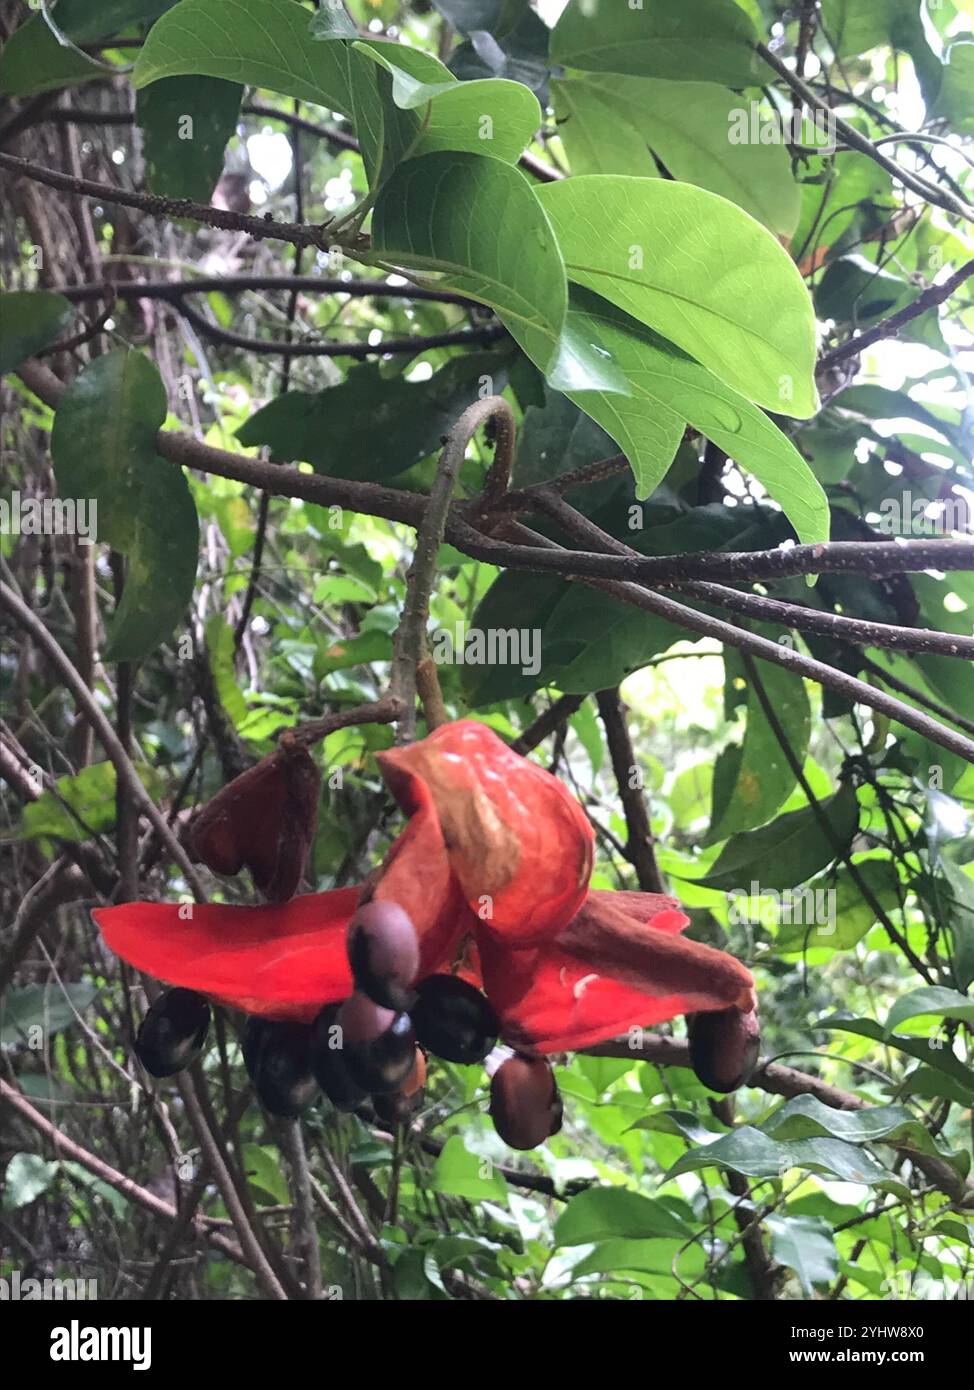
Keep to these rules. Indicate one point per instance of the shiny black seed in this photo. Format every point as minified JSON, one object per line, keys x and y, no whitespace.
{"x":282,"y":1072}
{"x":381,"y":1064}
{"x":328,"y":1061}
{"x":172,"y":1034}
{"x":383,"y":952}
{"x":453,"y":1020}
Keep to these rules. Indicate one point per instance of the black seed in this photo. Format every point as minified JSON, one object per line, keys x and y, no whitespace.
{"x":328,"y":1062}
{"x":383,"y":1063}
{"x":395,"y":1108}
{"x":283,"y":1078}
{"x":453,"y":1020}
{"x":172,"y":1034}
{"x":383,"y":952}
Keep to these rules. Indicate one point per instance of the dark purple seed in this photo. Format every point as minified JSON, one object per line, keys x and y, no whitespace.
{"x":724,"y":1047}
{"x":283,"y":1078}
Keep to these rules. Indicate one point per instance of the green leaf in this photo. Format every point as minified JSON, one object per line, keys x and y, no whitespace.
{"x":90,"y":794}
{"x":690,"y":127}
{"x":806,"y":1245}
{"x":699,"y":271}
{"x":931,"y":1000}
{"x":955,"y":100}
{"x":706,"y":40}
{"x":764,"y":777}
{"x":486,"y":116}
{"x":599,"y":134}
{"x":263,"y":43}
{"x":926,"y":1050}
{"x":477,"y":221}
{"x":601,"y":1213}
{"x":853,"y":916}
{"x":26,"y":1177}
{"x":221,"y":647}
{"x":787,"y":852}
{"x":371,"y":426}
{"x":464,"y":1174}
{"x":34,"y":61}
{"x":806,"y":1117}
{"x":261,"y":1166}
{"x":30,"y":320}
{"x":43,"y":1007}
{"x":667,"y":388}
{"x":186,"y":122}
{"x":103,"y":448}
{"x":756,"y":1155}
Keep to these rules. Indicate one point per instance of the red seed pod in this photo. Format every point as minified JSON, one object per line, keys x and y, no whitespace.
{"x":724,"y":1047}
{"x":524,"y":1102}
{"x":265,"y":819}
{"x":383,"y":952}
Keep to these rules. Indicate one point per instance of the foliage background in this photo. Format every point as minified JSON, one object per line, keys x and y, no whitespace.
{"x":841,"y":1174}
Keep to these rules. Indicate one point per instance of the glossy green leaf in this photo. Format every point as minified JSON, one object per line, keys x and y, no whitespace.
{"x":697,"y":270}
{"x":704,"y":40}
{"x":600,"y":135}
{"x":103,"y":447}
{"x":30,"y":320}
{"x":806,"y":1245}
{"x":933,"y":1052}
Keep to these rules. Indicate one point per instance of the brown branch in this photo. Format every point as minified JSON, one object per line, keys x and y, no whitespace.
{"x":260,"y":228}
{"x":640,"y":847}
{"x":889,"y":327}
{"x":126,"y":1186}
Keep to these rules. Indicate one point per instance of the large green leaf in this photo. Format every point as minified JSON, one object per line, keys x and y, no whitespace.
{"x":925,"y":1050}
{"x":186,"y":122}
{"x":707,"y":40}
{"x":806,"y":1245}
{"x":424,"y":108}
{"x":600,"y":135}
{"x":806,"y":1117}
{"x":669,"y":387}
{"x":698,"y":270}
{"x":34,"y":61}
{"x":788,"y":851}
{"x":931,"y":1000}
{"x":84,"y":803}
{"x":265,"y":43}
{"x":764,"y":777}
{"x":30,"y":320}
{"x":755,"y":1154}
{"x":601,"y":1213}
{"x":853,"y":915}
{"x":371,"y":426}
{"x":689,"y":126}
{"x":476,"y":221}
{"x":103,"y":448}
{"x":462,"y":1173}
{"x":43,"y":1007}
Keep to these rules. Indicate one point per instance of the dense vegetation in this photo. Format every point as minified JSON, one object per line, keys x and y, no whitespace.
{"x":694,"y":281}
